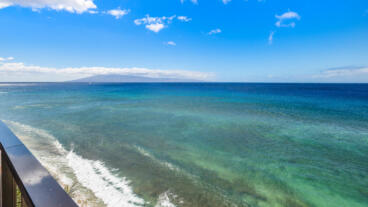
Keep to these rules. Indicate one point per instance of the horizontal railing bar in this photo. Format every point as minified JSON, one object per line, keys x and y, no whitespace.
{"x":14,"y":146}
{"x":37,"y":186}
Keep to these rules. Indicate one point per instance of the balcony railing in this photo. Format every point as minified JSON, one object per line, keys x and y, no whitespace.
{"x":24,"y":181}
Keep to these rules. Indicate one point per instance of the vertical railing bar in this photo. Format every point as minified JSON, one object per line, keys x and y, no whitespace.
{"x":8,"y":185}
{"x":23,"y":202}
{"x":14,"y":189}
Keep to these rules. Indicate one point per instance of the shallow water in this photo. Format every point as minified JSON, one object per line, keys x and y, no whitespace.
{"x":188,"y":145}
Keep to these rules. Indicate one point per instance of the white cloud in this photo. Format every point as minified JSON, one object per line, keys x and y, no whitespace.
{"x":73,"y":6}
{"x":18,"y":71}
{"x":172,"y":43}
{"x":214,"y":31}
{"x":270,"y":38}
{"x":118,"y":13}
{"x":4,"y":4}
{"x":93,"y":12}
{"x":225,"y":1}
{"x":156,"y":27}
{"x":184,"y":18}
{"x":6,"y":59}
{"x":154,"y":24}
{"x":286,"y":19}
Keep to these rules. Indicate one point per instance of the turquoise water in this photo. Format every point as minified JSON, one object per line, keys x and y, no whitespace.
{"x":189,"y":145}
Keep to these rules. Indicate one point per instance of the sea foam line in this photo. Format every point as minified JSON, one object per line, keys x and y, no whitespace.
{"x":114,"y":191}
{"x":165,"y":198}
{"x":149,"y":155}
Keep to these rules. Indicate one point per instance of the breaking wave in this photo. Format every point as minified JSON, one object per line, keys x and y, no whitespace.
{"x":89,"y":182}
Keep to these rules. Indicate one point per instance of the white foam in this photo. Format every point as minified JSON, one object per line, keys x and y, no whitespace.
{"x":112,"y":190}
{"x":68,"y":168}
{"x":164,"y":200}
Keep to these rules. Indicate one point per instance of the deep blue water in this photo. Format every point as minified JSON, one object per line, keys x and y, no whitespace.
{"x":200,"y":144}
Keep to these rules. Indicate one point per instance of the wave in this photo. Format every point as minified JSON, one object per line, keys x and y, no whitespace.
{"x":89,"y":182}
{"x":114,"y":191}
{"x":165,"y":199}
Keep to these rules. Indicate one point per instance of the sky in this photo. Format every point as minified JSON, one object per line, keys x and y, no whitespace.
{"x":210,"y":40}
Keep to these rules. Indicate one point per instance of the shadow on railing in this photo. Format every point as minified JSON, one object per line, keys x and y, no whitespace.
{"x":24,"y":181}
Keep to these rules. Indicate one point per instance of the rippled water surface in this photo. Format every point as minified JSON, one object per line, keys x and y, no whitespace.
{"x":198,"y":145}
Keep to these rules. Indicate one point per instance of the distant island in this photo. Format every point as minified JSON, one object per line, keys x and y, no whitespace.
{"x":115,"y":78}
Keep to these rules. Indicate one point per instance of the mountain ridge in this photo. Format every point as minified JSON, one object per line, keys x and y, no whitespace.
{"x":115,"y":78}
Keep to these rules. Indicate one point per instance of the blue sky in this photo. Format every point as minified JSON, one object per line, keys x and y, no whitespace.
{"x":215,"y":40}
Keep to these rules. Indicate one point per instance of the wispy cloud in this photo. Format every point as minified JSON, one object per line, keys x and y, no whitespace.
{"x":345,"y":72}
{"x":270,"y":38}
{"x":118,"y":13}
{"x":156,"y":24}
{"x":171,"y":43}
{"x":286,"y":19}
{"x":225,"y":1}
{"x":32,"y":72}
{"x":184,"y":19}
{"x":73,"y":6}
{"x":214,"y":31}
{"x":193,"y":1}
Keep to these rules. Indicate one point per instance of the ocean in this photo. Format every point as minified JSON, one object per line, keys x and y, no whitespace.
{"x":197,"y":144}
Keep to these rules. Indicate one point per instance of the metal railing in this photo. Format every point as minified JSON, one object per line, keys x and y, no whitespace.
{"x":24,"y":181}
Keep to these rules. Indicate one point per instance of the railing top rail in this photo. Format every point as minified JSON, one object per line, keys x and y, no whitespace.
{"x":36,"y":184}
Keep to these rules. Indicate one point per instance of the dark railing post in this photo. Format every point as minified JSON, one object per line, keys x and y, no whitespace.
{"x":8,"y":186}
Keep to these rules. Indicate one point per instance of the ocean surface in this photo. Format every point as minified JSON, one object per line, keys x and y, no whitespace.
{"x":197,"y":144}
